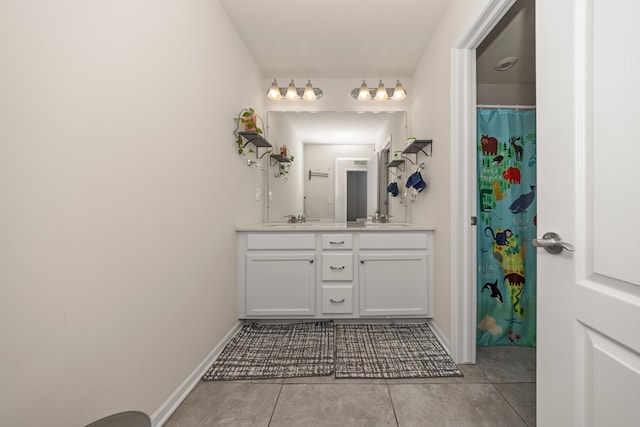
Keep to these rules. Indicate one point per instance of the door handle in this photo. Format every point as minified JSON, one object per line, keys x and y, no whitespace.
{"x":553,"y":243}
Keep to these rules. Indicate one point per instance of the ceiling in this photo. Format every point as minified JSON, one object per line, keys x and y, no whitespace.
{"x":514,"y":36}
{"x":336,"y":38}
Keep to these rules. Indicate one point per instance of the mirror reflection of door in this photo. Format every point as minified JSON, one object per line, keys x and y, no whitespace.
{"x":342,"y":198}
{"x":356,"y":195}
{"x":384,"y":178}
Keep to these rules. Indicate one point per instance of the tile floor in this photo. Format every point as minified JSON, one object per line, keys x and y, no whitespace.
{"x":500,"y":390}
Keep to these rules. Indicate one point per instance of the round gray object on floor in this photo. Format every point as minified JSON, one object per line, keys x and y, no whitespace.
{"x":124,"y":419}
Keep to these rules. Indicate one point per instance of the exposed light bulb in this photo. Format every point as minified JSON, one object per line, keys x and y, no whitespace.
{"x":292,"y":92}
{"x":381,"y":92}
{"x":399,"y":93}
{"x":274,"y":91}
{"x":364,"y":94}
{"x":309,"y":93}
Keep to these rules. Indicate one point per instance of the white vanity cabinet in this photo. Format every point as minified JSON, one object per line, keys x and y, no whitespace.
{"x":279,"y":275}
{"x":332,"y":274}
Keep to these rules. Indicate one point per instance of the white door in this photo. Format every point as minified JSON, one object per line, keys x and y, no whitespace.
{"x":588,"y":97}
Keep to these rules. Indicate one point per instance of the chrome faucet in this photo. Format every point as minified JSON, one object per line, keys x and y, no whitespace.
{"x":377,"y":217}
{"x":294,"y":219}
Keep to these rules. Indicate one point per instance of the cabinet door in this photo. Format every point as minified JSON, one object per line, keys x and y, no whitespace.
{"x":394,"y":284}
{"x":280,"y":284}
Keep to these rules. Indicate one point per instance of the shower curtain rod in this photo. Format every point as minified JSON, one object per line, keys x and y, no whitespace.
{"x":499,"y":106}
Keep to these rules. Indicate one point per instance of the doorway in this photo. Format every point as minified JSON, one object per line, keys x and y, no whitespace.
{"x":356,"y":195}
{"x":463,"y":274}
{"x":506,"y":181}
{"x":344,"y":169}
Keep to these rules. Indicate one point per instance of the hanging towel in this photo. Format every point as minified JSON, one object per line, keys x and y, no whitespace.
{"x":393,"y":189}
{"x":415,"y":180}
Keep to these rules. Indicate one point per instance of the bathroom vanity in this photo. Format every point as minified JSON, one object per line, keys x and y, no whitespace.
{"x":335,"y":271}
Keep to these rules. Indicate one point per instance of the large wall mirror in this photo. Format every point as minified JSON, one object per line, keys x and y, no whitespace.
{"x":338,"y":172}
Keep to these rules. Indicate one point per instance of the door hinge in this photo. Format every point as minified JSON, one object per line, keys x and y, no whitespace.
{"x":474,"y":220}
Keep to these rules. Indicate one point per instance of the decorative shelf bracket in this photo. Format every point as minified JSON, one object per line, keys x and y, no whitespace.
{"x":398,"y":165}
{"x":416,"y":147}
{"x":279,"y":158}
{"x":258,"y":141}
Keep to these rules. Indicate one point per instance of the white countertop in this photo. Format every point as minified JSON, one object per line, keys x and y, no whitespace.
{"x":335,"y":226}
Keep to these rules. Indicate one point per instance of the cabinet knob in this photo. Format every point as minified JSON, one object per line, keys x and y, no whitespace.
{"x":336,"y":301}
{"x":311,"y":261}
{"x":361,"y":261}
{"x":336,"y":268}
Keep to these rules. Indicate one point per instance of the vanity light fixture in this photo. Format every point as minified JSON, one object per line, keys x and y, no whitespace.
{"x":381,"y":92}
{"x":293,"y":93}
{"x":398,"y":92}
{"x":363,"y":93}
{"x":274,"y":91}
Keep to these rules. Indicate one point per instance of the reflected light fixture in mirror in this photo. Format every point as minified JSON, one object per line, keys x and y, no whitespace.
{"x":363,"y":93}
{"x":293,"y":93}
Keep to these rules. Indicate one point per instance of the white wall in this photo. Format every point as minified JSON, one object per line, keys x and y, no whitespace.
{"x":121,"y":186}
{"x":430,"y":119}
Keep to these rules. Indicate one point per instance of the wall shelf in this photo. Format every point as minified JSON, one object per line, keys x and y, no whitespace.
{"x":397,"y":163}
{"x":279,"y":158}
{"x":416,"y":147}
{"x":257,"y":140}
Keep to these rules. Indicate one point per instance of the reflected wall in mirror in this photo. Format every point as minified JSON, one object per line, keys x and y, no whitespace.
{"x":339,"y":172}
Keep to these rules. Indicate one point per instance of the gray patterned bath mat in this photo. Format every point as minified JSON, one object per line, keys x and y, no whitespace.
{"x":391,"y":351}
{"x":260,"y":351}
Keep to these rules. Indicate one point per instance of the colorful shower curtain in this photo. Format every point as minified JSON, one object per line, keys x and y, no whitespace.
{"x":506,"y":145}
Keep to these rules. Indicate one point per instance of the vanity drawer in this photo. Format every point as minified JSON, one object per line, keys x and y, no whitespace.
{"x":337,"y":241}
{"x":337,"y":267}
{"x":270,"y":241}
{"x":337,"y":299}
{"x":382,"y":240}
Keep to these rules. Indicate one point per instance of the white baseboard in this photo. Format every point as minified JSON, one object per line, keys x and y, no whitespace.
{"x":162,"y":414}
{"x":444,"y":341}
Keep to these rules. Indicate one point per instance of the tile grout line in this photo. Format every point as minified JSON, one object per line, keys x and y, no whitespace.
{"x":509,"y":402}
{"x":276,"y":404}
{"x":393,"y":407}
